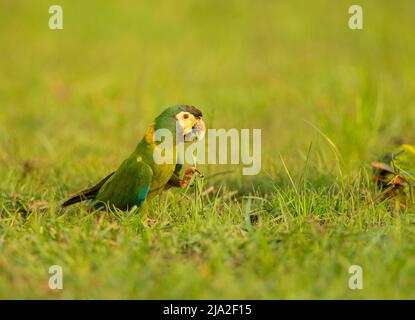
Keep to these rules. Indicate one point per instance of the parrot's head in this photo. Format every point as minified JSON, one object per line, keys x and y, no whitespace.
{"x":185,"y":121}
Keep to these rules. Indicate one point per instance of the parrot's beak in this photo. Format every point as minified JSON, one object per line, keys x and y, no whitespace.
{"x":197,"y":133}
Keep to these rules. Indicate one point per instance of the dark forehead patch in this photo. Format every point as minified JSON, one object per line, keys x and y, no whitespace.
{"x":193,"y":110}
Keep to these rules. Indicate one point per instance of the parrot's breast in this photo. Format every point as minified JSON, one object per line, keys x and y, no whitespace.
{"x":161,"y":175}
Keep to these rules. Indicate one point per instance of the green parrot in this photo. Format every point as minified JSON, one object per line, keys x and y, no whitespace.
{"x":139,"y":177}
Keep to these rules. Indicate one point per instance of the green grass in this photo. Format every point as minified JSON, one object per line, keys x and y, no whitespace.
{"x":74,"y":103}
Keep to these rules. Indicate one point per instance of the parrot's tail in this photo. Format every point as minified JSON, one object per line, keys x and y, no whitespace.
{"x":87,"y":193}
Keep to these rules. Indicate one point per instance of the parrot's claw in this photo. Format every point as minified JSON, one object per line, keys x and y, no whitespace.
{"x":191,"y":171}
{"x":188,"y":174}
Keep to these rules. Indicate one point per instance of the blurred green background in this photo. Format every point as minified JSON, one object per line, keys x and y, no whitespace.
{"x":74,"y":102}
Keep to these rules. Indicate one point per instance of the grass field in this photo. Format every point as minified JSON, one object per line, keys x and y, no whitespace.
{"x":74,"y":103}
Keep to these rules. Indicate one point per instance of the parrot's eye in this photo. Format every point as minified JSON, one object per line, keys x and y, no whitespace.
{"x":185,"y":116}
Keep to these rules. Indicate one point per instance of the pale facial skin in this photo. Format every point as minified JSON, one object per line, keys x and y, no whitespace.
{"x":191,"y":127}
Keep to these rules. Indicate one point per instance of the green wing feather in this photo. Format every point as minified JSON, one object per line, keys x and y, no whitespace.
{"x":128,"y":187}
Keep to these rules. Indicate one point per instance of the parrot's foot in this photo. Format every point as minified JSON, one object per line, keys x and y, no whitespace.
{"x":188,"y":174}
